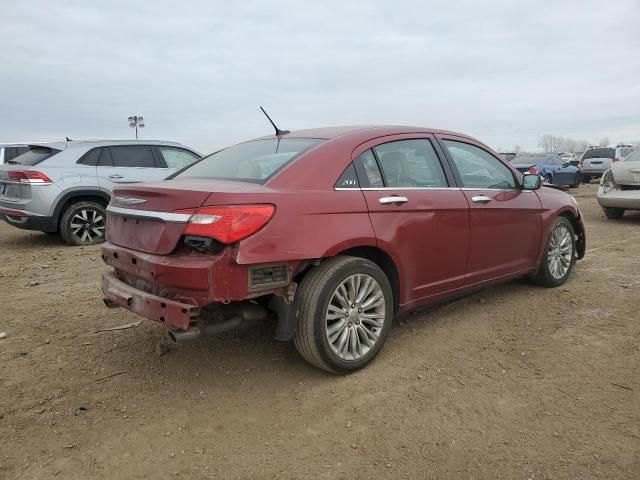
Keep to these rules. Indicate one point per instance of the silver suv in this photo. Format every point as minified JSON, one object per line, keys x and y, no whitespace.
{"x":64,"y":187}
{"x":598,"y":160}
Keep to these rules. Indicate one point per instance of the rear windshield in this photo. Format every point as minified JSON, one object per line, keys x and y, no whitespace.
{"x":34,"y":156}
{"x":634,"y":157}
{"x":255,"y":161}
{"x":599,"y":153}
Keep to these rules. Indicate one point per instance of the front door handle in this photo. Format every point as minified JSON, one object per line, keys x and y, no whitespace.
{"x":115,"y":177}
{"x":481,"y":199}
{"x":393,"y":200}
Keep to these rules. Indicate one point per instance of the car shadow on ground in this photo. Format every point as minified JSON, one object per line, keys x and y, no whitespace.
{"x":255,"y":350}
{"x":30,"y":240}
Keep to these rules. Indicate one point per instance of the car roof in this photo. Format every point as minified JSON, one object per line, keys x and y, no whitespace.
{"x":328,"y":133}
{"x":91,"y":143}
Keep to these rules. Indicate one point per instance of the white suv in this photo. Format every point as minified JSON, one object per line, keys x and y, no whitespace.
{"x":64,"y":187}
{"x":598,"y":160}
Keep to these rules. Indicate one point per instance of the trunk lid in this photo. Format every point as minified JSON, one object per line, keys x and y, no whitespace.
{"x":523,"y":167}
{"x":626,"y":173}
{"x":146,"y":216}
{"x":597,"y":163}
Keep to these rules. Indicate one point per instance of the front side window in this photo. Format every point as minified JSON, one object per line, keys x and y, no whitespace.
{"x":177,"y":157}
{"x":139,"y":156}
{"x":254,"y":161}
{"x":410,"y":163}
{"x":478,"y":168}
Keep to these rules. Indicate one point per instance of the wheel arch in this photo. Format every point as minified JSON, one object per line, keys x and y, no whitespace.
{"x":79,"y":196}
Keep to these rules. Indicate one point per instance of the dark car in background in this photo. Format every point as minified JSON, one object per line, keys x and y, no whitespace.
{"x":551,"y":168}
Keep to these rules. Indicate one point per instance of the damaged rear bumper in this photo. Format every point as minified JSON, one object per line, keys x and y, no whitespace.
{"x":175,"y":314}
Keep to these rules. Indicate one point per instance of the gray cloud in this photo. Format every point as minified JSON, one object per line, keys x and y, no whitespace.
{"x":197,"y":71}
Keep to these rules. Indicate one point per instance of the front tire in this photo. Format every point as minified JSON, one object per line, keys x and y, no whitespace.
{"x":345,"y":312}
{"x":559,"y":256}
{"x":613,"y":213}
{"x":83,"y":223}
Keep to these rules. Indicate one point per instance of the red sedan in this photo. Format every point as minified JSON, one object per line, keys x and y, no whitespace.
{"x":332,"y":232}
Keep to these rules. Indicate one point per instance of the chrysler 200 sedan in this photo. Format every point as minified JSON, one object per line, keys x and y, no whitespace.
{"x":331,"y":233}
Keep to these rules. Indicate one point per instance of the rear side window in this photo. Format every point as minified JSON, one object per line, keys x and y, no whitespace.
{"x":478,"y":168}
{"x":348,"y":179}
{"x":254,"y":161}
{"x":368,"y":171}
{"x":177,"y":157}
{"x":410,"y":163}
{"x":34,"y":156}
{"x":139,"y":156}
{"x":91,"y":158}
{"x":599,"y":153}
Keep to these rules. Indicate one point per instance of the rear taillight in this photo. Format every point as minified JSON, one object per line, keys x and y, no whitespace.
{"x":615,"y":159}
{"x":29,"y":176}
{"x":228,"y":224}
{"x":533,"y":171}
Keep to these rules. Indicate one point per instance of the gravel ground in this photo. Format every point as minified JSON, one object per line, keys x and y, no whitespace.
{"x":515,"y":382}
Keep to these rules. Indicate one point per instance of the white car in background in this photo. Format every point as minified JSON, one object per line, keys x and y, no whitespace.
{"x":598,"y":160}
{"x":620,"y":187}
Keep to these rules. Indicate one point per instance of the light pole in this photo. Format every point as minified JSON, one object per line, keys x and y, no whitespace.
{"x":136,"y":121}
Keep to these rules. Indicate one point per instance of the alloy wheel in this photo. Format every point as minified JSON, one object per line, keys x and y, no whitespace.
{"x":560,"y":252}
{"x":355,"y":317}
{"x":88,"y":225}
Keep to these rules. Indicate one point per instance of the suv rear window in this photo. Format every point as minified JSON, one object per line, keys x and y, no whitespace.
{"x":254,"y":161}
{"x":34,"y":156}
{"x":599,"y":153}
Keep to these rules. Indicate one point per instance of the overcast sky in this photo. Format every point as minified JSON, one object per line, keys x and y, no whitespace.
{"x":197,"y":71}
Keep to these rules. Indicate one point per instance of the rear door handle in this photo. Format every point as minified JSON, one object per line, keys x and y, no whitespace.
{"x":394,"y":200}
{"x":480,"y":199}
{"x":116,"y":177}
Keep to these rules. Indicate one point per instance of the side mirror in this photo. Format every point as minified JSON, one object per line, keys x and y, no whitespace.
{"x":531,"y":181}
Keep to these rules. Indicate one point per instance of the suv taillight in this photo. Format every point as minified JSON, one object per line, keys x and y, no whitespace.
{"x":29,"y":176}
{"x":615,"y":159}
{"x":533,"y":171}
{"x":228,"y":224}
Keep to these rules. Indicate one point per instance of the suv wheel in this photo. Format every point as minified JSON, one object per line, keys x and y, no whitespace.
{"x":83,"y":223}
{"x":559,"y":255}
{"x":613,"y":213}
{"x":345,"y":311}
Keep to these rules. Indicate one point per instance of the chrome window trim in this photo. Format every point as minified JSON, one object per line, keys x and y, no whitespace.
{"x":382,"y":189}
{"x":167,"y":217}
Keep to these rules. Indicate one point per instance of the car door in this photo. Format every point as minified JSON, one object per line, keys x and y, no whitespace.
{"x":417,"y":214}
{"x":173,"y":159}
{"x":124,"y":164}
{"x":505,"y":221}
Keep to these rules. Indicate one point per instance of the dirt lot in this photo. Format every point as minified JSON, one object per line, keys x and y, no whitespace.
{"x":514,"y":382}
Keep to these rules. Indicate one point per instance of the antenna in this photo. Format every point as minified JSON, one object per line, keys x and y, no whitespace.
{"x":68,"y":139}
{"x":278,"y":131}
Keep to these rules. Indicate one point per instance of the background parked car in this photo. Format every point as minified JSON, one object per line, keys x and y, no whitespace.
{"x":597,"y":160}
{"x":551,"y":168}
{"x":620,"y":187}
{"x":65,"y":186}
{"x":572,"y":158}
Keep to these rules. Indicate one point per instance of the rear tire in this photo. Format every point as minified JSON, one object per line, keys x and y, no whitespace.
{"x":613,"y":213}
{"x":559,"y":255}
{"x":83,"y":223}
{"x":356,"y":288}
{"x":586,"y":178}
{"x":548,"y":178}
